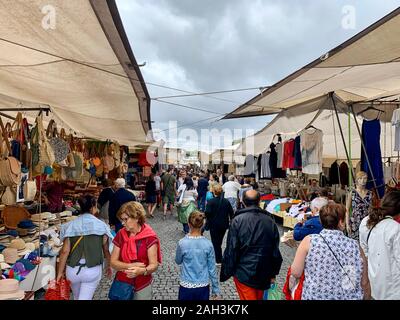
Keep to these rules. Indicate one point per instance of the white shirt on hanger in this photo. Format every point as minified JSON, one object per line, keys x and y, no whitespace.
{"x":396,"y":124}
{"x":311,"y":150}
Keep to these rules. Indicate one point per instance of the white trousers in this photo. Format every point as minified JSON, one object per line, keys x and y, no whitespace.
{"x":85,"y":283}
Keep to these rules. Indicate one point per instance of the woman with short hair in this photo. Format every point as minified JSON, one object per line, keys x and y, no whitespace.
{"x":334,"y":265}
{"x":380,"y":240}
{"x":137,"y":252}
{"x":85,"y":247}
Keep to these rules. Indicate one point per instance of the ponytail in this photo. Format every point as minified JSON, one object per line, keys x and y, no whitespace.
{"x":376,"y":214}
{"x":390,"y":207}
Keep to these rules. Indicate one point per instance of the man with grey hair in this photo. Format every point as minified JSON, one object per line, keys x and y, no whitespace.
{"x":120,"y":197}
{"x":231,"y":189}
{"x":312,"y":225}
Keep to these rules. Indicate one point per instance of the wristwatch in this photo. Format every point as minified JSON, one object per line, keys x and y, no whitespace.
{"x":145,"y":271}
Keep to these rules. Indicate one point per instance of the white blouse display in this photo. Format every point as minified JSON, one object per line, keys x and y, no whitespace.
{"x":311,"y":150}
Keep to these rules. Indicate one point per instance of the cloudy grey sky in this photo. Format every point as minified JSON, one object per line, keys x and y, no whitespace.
{"x":213,"y":45}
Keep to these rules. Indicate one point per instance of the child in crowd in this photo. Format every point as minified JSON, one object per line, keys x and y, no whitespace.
{"x":196,"y":256}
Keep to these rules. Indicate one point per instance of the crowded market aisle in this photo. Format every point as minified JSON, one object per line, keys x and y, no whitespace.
{"x":166,"y":278}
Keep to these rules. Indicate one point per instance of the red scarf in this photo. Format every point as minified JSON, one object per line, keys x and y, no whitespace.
{"x":129,"y":251}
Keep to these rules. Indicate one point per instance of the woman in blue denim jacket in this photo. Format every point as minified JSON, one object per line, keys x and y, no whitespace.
{"x":196,"y":256}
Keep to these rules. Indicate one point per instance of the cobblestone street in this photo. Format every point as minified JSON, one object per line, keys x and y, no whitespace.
{"x":166,"y":279}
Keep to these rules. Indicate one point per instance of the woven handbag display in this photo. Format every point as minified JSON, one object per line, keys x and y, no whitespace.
{"x":10,"y":167}
{"x":46,"y":152}
{"x":60,"y":147}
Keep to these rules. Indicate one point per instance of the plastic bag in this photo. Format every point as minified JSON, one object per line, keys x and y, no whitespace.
{"x":273,"y":293}
{"x":60,"y":290}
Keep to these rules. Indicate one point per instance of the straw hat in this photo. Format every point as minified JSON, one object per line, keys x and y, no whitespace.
{"x":29,"y":248}
{"x":37,"y":217}
{"x":3,"y":264}
{"x":9,"y":290}
{"x":10,"y":255}
{"x":65,"y":214}
{"x":18,"y":244}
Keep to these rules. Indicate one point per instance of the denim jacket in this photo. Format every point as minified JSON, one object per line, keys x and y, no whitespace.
{"x":85,"y":224}
{"x":197,"y":259}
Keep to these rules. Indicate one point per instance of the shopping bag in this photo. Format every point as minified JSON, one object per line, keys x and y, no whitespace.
{"x":273,"y":293}
{"x":60,"y":290}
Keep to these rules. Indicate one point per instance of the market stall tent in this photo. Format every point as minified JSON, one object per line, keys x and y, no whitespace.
{"x":290,"y":122}
{"x":362,"y":71}
{"x":82,"y":67}
{"x":364,"y":68}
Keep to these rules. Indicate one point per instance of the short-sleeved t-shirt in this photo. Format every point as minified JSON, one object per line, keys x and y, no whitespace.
{"x":139,"y":282}
{"x":169,"y":184}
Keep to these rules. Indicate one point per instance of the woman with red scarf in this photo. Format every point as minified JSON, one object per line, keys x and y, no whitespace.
{"x":137,"y":252}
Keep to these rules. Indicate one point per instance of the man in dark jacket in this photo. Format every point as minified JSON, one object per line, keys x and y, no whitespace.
{"x":218,"y":213}
{"x":120,"y":197}
{"x":202,"y":188}
{"x":252,"y":253}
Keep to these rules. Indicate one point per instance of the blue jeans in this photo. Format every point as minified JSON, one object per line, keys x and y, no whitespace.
{"x":185,"y":228}
{"x":201,"y":203}
{"x":202,"y":293}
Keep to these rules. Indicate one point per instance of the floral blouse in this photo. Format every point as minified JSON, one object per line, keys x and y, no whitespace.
{"x":325,"y":279}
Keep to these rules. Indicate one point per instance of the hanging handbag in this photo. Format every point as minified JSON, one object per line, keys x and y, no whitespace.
{"x":78,"y":170}
{"x":10,"y":171}
{"x":16,"y":134}
{"x":30,"y":190}
{"x":45,"y":151}
{"x":9,"y":196}
{"x":108,"y":160}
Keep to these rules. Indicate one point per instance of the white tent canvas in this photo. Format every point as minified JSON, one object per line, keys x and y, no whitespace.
{"x":364,"y":68}
{"x":82,"y":67}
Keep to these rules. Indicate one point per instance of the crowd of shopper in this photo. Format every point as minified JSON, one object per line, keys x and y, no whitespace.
{"x":330,"y":265}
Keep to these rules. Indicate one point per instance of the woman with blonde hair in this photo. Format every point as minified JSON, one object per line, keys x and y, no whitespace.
{"x":135,"y":256}
{"x":358,"y":205}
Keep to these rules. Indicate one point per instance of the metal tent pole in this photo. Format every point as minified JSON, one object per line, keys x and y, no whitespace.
{"x":342,"y":135}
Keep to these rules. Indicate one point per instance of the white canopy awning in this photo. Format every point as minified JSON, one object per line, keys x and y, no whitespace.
{"x":364,"y":68}
{"x":290,"y":122}
{"x":83,"y":68}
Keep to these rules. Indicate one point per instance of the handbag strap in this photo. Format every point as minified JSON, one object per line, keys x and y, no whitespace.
{"x":337,"y":259}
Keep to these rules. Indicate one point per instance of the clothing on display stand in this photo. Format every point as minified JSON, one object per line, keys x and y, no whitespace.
{"x":288,"y":161}
{"x":279,"y":152}
{"x":334,"y":173}
{"x":344,"y":174}
{"x":371,"y":134}
{"x":250,"y":166}
{"x":273,"y":164}
{"x":360,"y":208}
{"x":311,"y":150}
{"x":396,"y":124}
{"x":264,"y":171}
{"x":297,"y":153}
